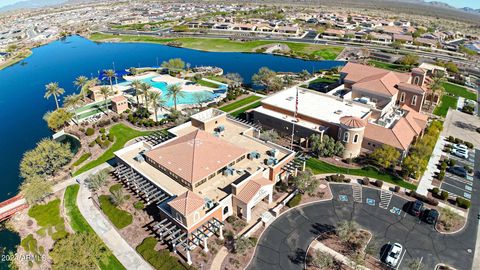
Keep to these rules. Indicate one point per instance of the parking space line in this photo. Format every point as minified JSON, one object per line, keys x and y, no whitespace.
{"x":401,"y":258}
{"x":454,"y":186}
{"x":385,"y":198}
{"x":357,"y":193}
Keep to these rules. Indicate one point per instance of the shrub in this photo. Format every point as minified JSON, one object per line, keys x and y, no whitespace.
{"x":365,"y":181}
{"x":435,"y":190}
{"x":457,"y":140}
{"x":441,"y":175}
{"x":424,"y":199}
{"x":294,"y":201}
{"x":115,"y":118}
{"x":231,"y":219}
{"x":110,"y":137}
{"x":469,"y":144}
{"x":379,"y":183}
{"x":104,"y":137}
{"x":444,"y":195}
{"x":98,"y":140}
{"x":450,"y":138}
{"x":396,"y":189}
{"x":443,"y":165}
{"x":102,"y":130}
{"x":463,"y":203}
{"x":452,"y":162}
{"x":89,"y":131}
{"x":139,"y":205}
{"x":92,"y":144}
{"x":115,"y":188}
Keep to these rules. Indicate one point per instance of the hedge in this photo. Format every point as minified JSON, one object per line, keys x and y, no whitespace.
{"x":295,"y":200}
{"x":463,"y":203}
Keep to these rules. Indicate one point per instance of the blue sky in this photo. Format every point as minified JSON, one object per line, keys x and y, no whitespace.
{"x":455,"y":3}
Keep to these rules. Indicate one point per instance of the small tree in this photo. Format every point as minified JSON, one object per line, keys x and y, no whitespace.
{"x":96,"y":181}
{"x":242,"y":244}
{"x":268,"y":79}
{"x":386,"y":156}
{"x":409,"y":60}
{"x":306,"y":182}
{"x":269,"y":135}
{"x":35,"y":189}
{"x":117,"y":197}
{"x":415,"y":264}
{"x":326,"y":147}
{"x":322,"y":260}
{"x":347,"y":231}
{"x":236,"y":79}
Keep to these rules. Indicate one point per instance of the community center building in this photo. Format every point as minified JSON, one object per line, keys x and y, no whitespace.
{"x":372,"y":107}
{"x":204,"y":171}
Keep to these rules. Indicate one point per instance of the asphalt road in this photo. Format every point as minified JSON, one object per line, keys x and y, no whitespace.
{"x":284,"y":243}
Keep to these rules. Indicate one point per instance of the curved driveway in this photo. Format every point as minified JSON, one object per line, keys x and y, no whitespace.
{"x":284,"y":243}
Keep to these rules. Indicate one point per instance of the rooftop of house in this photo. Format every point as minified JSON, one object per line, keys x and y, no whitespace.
{"x":187,"y":203}
{"x":316,"y":105}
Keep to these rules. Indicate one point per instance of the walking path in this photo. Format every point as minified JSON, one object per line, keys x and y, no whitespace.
{"x":426,"y":180}
{"x":129,"y":258}
{"x":217,"y":261}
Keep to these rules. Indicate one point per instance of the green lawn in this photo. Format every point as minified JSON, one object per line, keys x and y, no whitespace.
{"x":117,"y":216}
{"x":122,"y":135}
{"x":80,"y":224}
{"x":239,"y":103}
{"x":160,"y":260}
{"x":208,"y":84}
{"x":389,"y":66}
{"x":321,"y":167}
{"x":246,"y":108}
{"x":445,"y":103}
{"x":304,"y":50}
{"x":82,"y":158}
{"x":49,"y":218}
{"x":460,"y":91}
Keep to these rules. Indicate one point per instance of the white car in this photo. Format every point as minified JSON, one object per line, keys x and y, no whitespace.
{"x":394,"y":254}
{"x":460,"y":147}
{"x":460,"y":153}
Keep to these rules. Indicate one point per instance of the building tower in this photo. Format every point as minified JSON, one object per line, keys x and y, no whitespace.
{"x":350,"y":134}
{"x":418,"y":76}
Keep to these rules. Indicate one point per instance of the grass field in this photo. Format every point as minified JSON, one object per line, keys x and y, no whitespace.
{"x":81,"y":159}
{"x":321,"y":167}
{"x":122,"y":135}
{"x":445,"y":103}
{"x":79,"y":224}
{"x":389,"y":66}
{"x":246,"y":108}
{"x":304,"y":50}
{"x":49,"y":218}
{"x":207,"y":84}
{"x":459,"y":91}
{"x":117,"y":216}
{"x":239,"y":103}
{"x":160,"y":260}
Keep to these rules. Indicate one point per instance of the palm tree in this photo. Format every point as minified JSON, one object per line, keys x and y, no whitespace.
{"x":436,"y":85}
{"x":174,"y":92}
{"x":86,"y":89}
{"x":157,"y":102}
{"x":144,"y":87}
{"x":81,"y":82}
{"x":52,"y":89}
{"x":110,"y":74}
{"x":73,"y":101}
{"x":133,"y":71}
{"x":106,"y":93}
{"x":138,"y":91}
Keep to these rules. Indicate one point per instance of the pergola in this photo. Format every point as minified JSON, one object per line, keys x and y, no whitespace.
{"x":156,"y":138}
{"x":170,"y":232}
{"x":143,"y":186}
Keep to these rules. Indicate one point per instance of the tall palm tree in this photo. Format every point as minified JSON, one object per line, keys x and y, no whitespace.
{"x":106,"y":92}
{"x":86,"y":89}
{"x":138,"y":91}
{"x":73,"y":101}
{"x":52,"y":89}
{"x":157,"y":102}
{"x":110,"y":74}
{"x":436,"y":86}
{"x":80,"y":82}
{"x":144,"y":87}
{"x":175,"y":92}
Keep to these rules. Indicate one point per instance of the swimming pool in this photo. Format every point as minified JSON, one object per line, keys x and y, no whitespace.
{"x":187,"y":98}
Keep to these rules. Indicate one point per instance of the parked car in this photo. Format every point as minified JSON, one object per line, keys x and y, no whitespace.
{"x":457,"y":170}
{"x":430,"y":216}
{"x":460,"y":147}
{"x":416,"y":208}
{"x":460,"y":153}
{"x":393,"y":255}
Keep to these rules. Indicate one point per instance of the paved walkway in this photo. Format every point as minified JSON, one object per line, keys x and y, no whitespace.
{"x":426,"y":180}
{"x":217,"y":261}
{"x":104,"y":229}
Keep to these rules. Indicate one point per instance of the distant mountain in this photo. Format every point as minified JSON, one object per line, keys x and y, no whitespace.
{"x":31,"y":4}
{"x":472,"y":10}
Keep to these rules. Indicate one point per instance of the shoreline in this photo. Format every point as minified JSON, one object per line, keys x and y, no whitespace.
{"x":16,"y":59}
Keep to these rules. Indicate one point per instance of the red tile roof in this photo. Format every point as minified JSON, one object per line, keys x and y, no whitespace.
{"x":195,"y":155}
{"x":187,"y":203}
{"x":251,"y":188}
{"x":352,"y":121}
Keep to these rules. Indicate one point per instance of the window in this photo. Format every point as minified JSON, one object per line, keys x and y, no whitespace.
{"x":178,"y":217}
{"x":225,"y":210}
{"x":346,"y":136}
{"x":355,"y":138}
{"x":402,"y":97}
{"x":414,"y":100}
{"x":416,"y":80}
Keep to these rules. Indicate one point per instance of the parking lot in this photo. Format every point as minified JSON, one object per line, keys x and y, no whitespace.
{"x":457,"y":185}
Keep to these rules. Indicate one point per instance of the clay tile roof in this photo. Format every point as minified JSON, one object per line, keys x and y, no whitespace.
{"x":411,"y":88}
{"x":195,"y":155}
{"x":248,"y":190}
{"x":352,"y":121}
{"x":118,"y":99}
{"x":400,"y":136}
{"x":187,"y":203}
{"x":380,"y":83}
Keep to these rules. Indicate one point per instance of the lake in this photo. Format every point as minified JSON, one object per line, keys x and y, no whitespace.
{"x":22,"y":87}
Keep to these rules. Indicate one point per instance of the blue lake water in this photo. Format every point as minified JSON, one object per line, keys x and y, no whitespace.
{"x":22,"y":87}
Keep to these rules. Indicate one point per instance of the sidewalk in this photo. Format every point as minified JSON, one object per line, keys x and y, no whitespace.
{"x":129,"y":258}
{"x":426,"y":180}
{"x":217,"y":261}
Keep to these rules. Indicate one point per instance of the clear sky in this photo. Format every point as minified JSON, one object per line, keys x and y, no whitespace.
{"x":455,"y":3}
